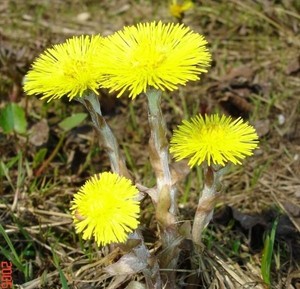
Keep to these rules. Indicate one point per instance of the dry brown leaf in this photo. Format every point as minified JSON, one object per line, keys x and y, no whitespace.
{"x":39,"y":133}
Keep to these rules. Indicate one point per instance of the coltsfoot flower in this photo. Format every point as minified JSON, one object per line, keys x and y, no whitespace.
{"x":156,"y":55}
{"x":177,"y":8}
{"x":70,"y":68}
{"x":213,"y":139}
{"x":106,"y":208}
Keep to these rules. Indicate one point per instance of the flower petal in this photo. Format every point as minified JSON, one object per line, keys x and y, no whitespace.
{"x":213,"y":139}
{"x":107,"y":207}
{"x":153,"y":54}
{"x":69,"y":69}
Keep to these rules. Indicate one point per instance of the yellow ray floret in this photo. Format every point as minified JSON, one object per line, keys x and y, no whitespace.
{"x":214,"y":139}
{"x":178,"y":8}
{"x":106,"y":208}
{"x":70,"y":68}
{"x":156,"y":55}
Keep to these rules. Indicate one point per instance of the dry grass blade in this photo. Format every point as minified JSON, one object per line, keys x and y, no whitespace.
{"x":37,"y":282}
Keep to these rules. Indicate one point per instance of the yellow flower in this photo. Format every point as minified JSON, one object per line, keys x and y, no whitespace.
{"x":70,"y":68}
{"x":214,"y":139}
{"x":152,"y":55}
{"x":106,"y":207}
{"x":177,"y":9}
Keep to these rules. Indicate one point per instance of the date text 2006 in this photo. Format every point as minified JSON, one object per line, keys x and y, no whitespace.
{"x":6,"y":275}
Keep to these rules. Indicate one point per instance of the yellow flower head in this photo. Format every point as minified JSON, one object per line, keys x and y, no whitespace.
{"x":177,"y":9}
{"x":106,"y":208}
{"x":214,"y":139}
{"x":69,"y":69}
{"x":152,"y":55}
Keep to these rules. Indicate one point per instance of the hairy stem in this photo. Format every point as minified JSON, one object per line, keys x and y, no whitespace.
{"x":92,"y":104}
{"x":206,"y":203}
{"x":117,"y":162}
{"x":159,"y":148}
{"x":166,"y":206}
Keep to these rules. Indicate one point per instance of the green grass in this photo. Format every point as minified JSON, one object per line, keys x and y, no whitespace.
{"x":62,"y":277}
{"x":12,"y":254}
{"x":268,"y":254}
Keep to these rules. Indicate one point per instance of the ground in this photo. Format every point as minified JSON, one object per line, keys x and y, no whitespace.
{"x":254,"y":74}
